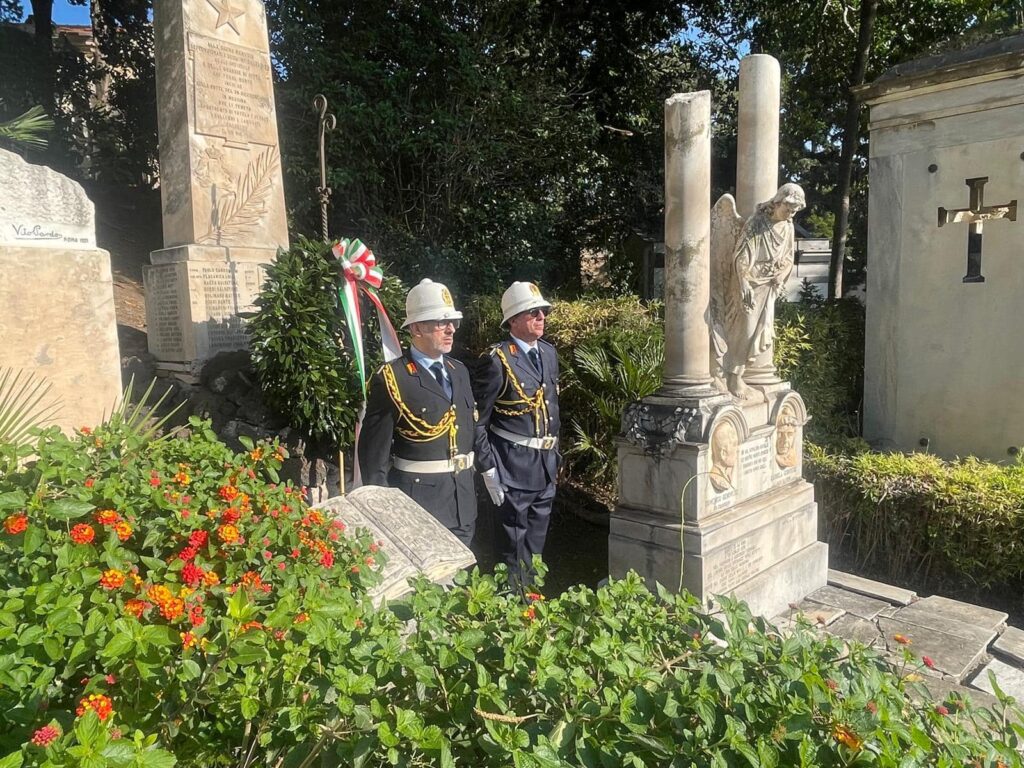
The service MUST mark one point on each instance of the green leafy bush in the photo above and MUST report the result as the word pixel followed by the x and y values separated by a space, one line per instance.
pixel 602 381
pixel 169 602
pixel 299 343
pixel 914 517
pixel 819 347
pixel 171 588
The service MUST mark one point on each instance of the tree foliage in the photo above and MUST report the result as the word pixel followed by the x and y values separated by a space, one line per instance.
pixel 480 141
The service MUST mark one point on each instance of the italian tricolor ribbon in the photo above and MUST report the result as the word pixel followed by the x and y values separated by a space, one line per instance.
pixel 360 272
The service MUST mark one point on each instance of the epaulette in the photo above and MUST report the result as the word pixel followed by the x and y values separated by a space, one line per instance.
pixel 491 350
pixel 546 343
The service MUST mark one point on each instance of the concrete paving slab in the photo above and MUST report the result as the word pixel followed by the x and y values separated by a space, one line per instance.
pixel 854 628
pixel 938 612
pixel 1009 678
pixel 875 589
pixel 851 602
pixel 956 651
pixel 815 613
pixel 940 690
pixel 1010 645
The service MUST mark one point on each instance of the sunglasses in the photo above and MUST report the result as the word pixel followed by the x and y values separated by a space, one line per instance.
pixel 539 312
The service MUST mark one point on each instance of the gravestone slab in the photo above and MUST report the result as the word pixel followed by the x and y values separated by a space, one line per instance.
pixel 877 589
pixel 1010 679
pixel 943 690
pixel 815 613
pixel 414 541
pixel 57 294
pixel 1011 645
pixel 40 208
pixel 957 650
pixel 856 629
pixel 939 612
pixel 851 602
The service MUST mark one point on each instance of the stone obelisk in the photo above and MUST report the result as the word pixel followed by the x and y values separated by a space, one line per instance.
pixel 220 172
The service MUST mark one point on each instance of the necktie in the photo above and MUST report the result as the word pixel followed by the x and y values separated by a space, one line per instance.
pixel 535 359
pixel 438 372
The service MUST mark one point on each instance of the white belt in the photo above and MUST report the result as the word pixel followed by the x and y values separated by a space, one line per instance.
pixel 457 464
pixel 540 443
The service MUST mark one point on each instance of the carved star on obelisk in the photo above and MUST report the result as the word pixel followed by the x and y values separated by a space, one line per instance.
pixel 226 13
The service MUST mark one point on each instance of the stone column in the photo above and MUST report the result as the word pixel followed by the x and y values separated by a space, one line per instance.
pixel 687 244
pixel 757 161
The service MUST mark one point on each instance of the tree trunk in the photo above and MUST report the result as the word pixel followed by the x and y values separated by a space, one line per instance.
pixel 851 137
pixel 42 17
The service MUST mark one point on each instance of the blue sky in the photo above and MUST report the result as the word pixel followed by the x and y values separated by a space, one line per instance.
pixel 64 12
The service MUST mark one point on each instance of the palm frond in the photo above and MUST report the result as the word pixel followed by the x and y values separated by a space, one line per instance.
pixel 25 404
pixel 136 420
pixel 28 130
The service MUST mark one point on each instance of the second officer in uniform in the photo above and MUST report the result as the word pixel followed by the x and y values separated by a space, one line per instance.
pixel 418 432
pixel 516 389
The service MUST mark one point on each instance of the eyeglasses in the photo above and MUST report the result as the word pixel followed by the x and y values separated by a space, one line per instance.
pixel 442 324
pixel 538 312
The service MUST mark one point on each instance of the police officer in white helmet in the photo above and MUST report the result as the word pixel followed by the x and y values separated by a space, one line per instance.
pixel 418 432
pixel 516 389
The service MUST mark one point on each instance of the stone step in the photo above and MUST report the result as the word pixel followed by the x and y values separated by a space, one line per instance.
pixel 1010 645
pixel 877 589
pixel 851 602
pixel 938 612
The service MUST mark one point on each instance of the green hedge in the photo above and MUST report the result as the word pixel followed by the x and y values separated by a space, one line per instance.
pixel 916 518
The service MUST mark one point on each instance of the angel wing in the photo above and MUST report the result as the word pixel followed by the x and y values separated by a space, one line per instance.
pixel 726 225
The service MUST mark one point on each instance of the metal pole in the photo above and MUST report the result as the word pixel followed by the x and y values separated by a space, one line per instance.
pixel 327 123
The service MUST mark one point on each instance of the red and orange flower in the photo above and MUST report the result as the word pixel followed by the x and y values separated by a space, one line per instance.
pixel 112 579
pixel 228 534
pixel 102 705
pixel 82 533
pixel 107 517
pixel 16 523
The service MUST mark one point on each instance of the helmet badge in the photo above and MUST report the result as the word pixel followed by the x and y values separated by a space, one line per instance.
pixel 446 297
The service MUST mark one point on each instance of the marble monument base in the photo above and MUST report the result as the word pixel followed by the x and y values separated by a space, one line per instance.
pixel 717 484
pixel 196 299
pixel 58 323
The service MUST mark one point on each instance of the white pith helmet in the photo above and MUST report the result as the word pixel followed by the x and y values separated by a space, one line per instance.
pixel 429 301
pixel 521 297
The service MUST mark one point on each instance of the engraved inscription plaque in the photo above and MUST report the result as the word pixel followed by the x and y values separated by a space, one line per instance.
pixel 233 92
pixel 164 313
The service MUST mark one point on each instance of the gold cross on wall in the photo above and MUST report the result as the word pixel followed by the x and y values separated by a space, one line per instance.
pixel 226 13
pixel 975 216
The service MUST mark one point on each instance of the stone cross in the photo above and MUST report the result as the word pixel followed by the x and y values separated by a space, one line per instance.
pixel 976 215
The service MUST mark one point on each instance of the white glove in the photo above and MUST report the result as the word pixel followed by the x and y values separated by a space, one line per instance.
pixel 494 488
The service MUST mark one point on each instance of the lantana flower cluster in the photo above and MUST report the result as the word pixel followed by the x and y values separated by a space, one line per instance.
pixel 168 546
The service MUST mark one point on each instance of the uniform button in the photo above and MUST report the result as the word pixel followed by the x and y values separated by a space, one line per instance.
pixel 416 480
pixel 423 410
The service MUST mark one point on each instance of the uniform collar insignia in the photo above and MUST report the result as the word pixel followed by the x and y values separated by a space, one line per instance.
pixel 411 368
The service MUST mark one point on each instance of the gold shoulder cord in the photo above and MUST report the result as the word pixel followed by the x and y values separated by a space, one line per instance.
pixel 420 430
pixel 523 404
